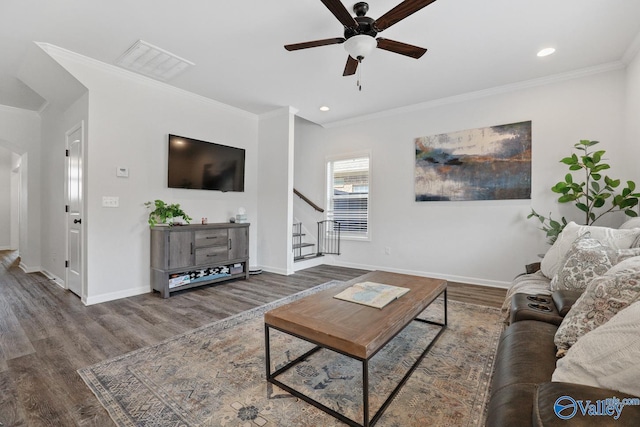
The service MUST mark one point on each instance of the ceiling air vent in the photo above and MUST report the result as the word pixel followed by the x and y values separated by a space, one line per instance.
pixel 147 59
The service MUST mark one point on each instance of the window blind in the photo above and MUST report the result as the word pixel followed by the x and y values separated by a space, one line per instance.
pixel 348 195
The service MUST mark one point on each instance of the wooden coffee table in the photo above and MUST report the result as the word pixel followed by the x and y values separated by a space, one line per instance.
pixel 354 330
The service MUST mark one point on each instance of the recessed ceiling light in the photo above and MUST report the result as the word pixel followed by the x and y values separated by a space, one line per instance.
pixel 546 51
pixel 324 108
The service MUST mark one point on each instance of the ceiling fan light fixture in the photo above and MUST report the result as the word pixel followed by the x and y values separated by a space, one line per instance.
pixel 360 46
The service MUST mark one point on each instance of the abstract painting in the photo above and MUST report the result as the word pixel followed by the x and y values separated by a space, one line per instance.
pixel 492 163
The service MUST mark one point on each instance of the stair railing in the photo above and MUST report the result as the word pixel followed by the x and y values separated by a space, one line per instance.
pixel 297 240
pixel 328 237
pixel 307 200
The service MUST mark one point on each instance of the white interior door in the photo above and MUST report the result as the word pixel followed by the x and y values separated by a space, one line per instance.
pixel 75 145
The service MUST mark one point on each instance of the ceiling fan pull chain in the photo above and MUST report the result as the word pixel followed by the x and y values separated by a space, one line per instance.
pixel 358 82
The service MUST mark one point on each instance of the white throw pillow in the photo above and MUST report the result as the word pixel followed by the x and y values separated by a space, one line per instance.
pixel 617 239
pixel 606 357
pixel 632 223
pixel 629 264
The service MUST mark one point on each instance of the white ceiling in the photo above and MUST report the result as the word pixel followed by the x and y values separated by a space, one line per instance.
pixel 237 47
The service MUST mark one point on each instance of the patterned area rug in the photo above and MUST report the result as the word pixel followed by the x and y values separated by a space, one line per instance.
pixel 215 375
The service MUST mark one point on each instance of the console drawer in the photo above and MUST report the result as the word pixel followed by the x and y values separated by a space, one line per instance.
pixel 211 238
pixel 211 254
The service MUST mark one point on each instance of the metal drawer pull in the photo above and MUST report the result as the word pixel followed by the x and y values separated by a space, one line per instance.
pixel 229 244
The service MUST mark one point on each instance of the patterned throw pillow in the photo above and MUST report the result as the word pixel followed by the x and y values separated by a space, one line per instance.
pixel 603 298
pixel 618 239
pixel 586 258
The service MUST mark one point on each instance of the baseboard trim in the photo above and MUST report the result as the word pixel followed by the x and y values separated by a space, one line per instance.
pixel 58 281
pixel 449 277
pixel 275 270
pixel 308 263
pixel 28 269
pixel 116 295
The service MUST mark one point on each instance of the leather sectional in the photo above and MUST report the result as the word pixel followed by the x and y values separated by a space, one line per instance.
pixel 522 393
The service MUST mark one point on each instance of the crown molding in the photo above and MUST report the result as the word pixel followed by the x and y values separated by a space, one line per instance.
pixel 470 96
pixel 279 112
pixel 59 52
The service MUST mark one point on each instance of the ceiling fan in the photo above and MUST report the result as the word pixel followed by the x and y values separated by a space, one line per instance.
pixel 360 32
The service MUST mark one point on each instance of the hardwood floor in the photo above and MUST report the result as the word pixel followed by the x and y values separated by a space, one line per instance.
pixel 46 333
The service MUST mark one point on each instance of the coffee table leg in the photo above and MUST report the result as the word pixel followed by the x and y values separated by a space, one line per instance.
pixel 365 392
pixel 267 351
pixel 445 306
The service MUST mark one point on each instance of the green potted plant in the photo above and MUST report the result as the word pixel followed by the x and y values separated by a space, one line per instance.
pixel 596 196
pixel 163 213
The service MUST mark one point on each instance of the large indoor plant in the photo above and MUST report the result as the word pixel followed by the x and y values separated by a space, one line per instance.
pixel 164 213
pixel 596 196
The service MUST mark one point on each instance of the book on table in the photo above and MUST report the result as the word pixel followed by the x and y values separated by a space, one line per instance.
pixel 372 294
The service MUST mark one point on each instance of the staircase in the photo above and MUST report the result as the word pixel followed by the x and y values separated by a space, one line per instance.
pixel 302 248
pixel 306 245
pixel 328 241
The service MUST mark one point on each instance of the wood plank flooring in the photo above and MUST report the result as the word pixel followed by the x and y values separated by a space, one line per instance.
pixel 46 333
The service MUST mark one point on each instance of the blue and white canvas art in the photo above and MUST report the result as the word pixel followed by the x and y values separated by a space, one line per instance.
pixel 492 163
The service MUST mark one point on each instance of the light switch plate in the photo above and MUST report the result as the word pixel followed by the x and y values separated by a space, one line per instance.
pixel 122 172
pixel 110 201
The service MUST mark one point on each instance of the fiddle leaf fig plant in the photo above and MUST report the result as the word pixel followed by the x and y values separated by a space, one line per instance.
pixel 596 196
pixel 163 212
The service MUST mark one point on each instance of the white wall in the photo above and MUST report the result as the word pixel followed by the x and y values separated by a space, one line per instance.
pixel 56 121
pixel 130 117
pixel 632 118
pixel 477 242
pixel 15 201
pixel 5 198
pixel 483 242
pixel 53 237
pixel 275 199
pixel 20 133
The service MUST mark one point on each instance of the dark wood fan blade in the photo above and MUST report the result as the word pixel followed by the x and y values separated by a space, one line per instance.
pixel 339 11
pixel 398 13
pixel 351 67
pixel 315 43
pixel 401 48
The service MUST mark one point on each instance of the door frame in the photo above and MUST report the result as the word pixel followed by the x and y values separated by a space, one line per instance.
pixel 79 126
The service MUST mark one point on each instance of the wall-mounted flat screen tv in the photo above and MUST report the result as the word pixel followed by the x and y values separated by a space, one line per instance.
pixel 204 165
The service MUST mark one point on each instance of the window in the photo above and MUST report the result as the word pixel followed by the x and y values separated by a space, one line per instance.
pixel 348 195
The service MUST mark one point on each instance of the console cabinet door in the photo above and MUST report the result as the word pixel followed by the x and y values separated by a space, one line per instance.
pixel 238 242
pixel 180 249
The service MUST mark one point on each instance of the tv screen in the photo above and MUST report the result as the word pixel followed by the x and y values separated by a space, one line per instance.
pixel 204 165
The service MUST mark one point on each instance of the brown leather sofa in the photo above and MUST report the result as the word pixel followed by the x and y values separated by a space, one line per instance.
pixel 522 393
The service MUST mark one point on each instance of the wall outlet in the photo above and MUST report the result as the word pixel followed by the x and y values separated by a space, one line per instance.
pixel 387 250
pixel 110 201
